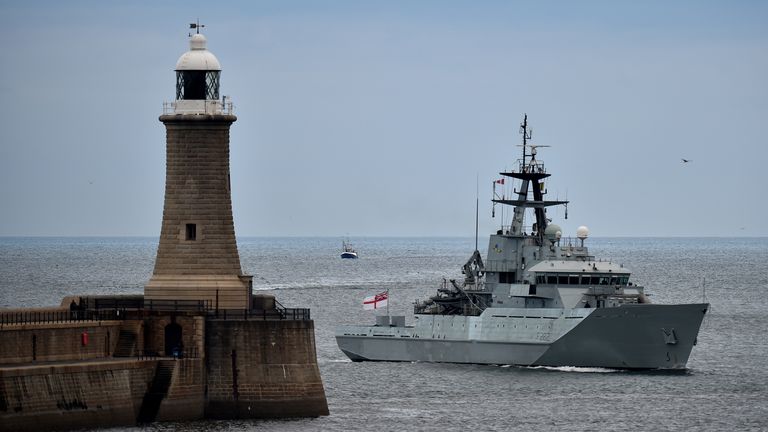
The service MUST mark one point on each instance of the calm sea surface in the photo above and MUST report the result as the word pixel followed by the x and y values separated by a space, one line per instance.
pixel 725 388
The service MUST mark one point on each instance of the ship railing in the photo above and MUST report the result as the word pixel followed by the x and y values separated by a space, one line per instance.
pixel 507 229
pixel 573 242
pixel 527 231
pixel 528 166
pixel 59 316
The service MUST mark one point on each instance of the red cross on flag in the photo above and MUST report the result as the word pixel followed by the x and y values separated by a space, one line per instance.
pixel 375 302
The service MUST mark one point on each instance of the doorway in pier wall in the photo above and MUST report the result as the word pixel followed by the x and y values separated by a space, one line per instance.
pixel 173 345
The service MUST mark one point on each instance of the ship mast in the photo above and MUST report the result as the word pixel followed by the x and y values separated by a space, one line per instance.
pixel 531 174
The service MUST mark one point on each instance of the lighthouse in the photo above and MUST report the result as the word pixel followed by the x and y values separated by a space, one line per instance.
pixel 197 257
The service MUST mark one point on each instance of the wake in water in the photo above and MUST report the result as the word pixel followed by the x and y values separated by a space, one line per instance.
pixel 574 369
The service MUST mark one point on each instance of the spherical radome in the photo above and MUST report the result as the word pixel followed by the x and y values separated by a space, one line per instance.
pixel 553 232
pixel 582 232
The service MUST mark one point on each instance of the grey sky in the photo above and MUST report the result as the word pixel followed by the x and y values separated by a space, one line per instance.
pixel 370 119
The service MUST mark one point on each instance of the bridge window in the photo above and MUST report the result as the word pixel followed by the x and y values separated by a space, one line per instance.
pixel 507 277
pixel 571 279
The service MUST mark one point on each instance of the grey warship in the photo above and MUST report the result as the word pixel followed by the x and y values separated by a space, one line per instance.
pixel 538 300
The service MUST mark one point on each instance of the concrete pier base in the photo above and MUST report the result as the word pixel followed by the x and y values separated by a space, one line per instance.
pixel 262 369
pixel 255 365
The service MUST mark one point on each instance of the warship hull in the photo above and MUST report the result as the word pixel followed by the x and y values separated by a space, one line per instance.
pixel 636 336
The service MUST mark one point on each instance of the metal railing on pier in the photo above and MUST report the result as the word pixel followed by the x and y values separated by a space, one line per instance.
pixel 150 305
pixel 59 316
pixel 190 353
pixel 290 314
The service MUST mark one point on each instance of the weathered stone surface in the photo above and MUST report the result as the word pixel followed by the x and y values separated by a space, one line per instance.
pixel 43 342
pixel 72 396
pixel 197 191
pixel 263 369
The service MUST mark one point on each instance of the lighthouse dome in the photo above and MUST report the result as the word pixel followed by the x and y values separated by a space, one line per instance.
pixel 198 57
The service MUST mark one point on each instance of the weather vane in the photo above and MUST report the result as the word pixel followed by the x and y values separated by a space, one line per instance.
pixel 196 26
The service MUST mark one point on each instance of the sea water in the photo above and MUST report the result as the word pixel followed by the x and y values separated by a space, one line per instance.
pixel 725 386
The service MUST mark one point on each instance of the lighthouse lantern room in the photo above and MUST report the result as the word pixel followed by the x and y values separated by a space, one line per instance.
pixel 197 81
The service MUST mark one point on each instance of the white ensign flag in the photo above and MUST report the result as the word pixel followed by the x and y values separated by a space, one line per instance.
pixel 376 302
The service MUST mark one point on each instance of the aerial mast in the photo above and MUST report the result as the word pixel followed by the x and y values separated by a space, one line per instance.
pixel 531 174
pixel 527 134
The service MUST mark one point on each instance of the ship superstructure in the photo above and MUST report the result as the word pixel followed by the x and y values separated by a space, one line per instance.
pixel 538 299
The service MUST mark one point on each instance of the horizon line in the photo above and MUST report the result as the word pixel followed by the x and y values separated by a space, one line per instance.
pixel 379 236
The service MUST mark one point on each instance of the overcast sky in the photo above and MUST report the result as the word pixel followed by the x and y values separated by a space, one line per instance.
pixel 376 118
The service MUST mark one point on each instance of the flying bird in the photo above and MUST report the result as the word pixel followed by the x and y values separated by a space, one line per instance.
pixel 686 160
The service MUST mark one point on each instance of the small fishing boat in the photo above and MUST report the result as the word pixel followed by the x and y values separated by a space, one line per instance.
pixel 347 251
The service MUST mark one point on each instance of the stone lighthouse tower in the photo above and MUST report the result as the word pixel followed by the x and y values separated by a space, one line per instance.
pixel 197 256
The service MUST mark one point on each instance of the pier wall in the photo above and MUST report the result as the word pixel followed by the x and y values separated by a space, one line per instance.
pixel 40 342
pixel 262 369
pixel 231 368
pixel 185 399
pixel 73 396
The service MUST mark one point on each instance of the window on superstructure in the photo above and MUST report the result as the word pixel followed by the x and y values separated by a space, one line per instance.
pixel 552 279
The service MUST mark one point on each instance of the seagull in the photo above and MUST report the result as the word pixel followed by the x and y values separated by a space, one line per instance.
pixel 686 160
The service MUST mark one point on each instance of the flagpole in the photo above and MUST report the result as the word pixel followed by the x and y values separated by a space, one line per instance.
pixel 477 204
pixel 387 303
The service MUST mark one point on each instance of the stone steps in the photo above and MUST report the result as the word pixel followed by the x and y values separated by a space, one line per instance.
pixel 126 344
pixel 150 406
